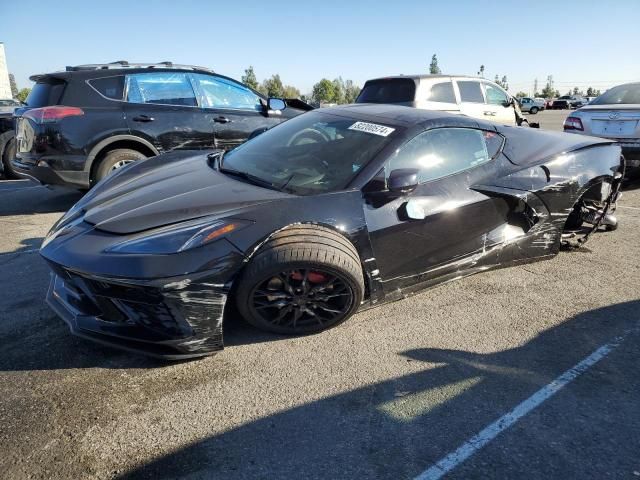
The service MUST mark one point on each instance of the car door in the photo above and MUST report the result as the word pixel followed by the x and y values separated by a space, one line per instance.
pixel 499 102
pixel 440 226
pixel 162 108
pixel 234 110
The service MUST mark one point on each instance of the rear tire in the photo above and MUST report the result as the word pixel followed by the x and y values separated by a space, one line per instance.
pixel 304 279
pixel 8 155
pixel 533 110
pixel 115 159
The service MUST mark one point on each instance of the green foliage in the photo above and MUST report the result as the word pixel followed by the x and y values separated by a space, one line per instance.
pixel 249 78
pixel 23 94
pixel 351 91
pixel 14 87
pixel 521 94
pixel 434 69
pixel 324 91
pixel 291 92
pixel 592 92
pixel 273 87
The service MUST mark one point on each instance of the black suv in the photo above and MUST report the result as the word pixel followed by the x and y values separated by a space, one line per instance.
pixel 82 123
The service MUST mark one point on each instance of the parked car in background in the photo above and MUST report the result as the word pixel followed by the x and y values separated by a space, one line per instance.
pixel 616 115
pixel 567 102
pixel 8 105
pixel 475 97
pixel 531 105
pixel 548 103
pixel 81 124
pixel 7 141
pixel 299 235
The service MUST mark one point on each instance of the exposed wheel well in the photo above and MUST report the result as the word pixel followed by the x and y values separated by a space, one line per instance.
pixel 130 144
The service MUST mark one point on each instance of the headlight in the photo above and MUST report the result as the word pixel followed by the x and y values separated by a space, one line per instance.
pixel 175 239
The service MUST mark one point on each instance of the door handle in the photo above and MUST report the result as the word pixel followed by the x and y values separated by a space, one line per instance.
pixel 143 118
pixel 222 120
pixel 489 114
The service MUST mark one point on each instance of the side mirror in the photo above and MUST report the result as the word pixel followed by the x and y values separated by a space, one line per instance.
pixel 508 103
pixel 276 104
pixel 403 180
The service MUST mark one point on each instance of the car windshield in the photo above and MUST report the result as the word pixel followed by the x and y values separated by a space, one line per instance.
pixel 314 153
pixel 623 94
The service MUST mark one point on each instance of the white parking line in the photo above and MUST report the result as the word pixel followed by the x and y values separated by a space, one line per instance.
pixel 630 208
pixel 475 443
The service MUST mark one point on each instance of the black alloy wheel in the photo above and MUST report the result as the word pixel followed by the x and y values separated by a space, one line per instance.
pixel 303 299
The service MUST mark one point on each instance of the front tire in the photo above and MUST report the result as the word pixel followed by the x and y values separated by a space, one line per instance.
pixel 304 279
pixel 116 159
pixel 533 110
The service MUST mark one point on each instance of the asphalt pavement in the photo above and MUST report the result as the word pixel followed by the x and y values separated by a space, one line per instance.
pixel 523 372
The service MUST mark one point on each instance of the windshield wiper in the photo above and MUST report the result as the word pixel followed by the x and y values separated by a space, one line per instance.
pixel 249 177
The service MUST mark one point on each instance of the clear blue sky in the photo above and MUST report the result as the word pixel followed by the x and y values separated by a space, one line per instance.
pixel 580 43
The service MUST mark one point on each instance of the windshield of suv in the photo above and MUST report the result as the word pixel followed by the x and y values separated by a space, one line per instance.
pixel 622 94
pixel 309 154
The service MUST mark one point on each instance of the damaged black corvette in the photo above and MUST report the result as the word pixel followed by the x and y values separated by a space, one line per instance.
pixel 333 211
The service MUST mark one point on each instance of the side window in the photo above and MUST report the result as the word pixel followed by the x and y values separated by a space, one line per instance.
pixel 442 92
pixel 470 92
pixel 445 151
pixel 161 88
pixel 110 87
pixel 216 92
pixel 495 95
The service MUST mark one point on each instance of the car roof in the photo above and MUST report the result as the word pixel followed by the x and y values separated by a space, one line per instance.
pixel 118 68
pixel 403 116
pixel 426 76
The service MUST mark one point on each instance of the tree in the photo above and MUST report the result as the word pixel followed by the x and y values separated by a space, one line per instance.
pixel 481 71
pixel 504 82
pixel 291 92
pixel 338 91
pixel 23 94
pixel 351 91
pixel 577 91
pixel 14 87
pixel 548 91
pixel 434 69
pixel 324 91
pixel 521 94
pixel 249 78
pixel 272 87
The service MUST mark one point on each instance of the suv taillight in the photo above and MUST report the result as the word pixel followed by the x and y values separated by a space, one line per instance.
pixel 573 123
pixel 52 114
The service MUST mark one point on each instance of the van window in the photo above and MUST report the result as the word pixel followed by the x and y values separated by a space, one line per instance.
pixel 442 92
pixel 470 92
pixel 392 90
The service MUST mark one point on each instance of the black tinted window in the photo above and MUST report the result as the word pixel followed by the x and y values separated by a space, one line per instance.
pixel 442 92
pixel 470 92
pixel 394 90
pixel 46 93
pixel 623 94
pixel 445 151
pixel 110 87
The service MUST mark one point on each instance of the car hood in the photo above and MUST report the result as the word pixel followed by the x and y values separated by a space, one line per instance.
pixel 613 106
pixel 167 189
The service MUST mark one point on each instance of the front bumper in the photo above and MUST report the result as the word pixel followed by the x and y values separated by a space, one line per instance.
pixel 177 321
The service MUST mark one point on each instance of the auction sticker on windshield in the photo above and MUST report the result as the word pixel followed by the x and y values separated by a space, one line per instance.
pixel 374 128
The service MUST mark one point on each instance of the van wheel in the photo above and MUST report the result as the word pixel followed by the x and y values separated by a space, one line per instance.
pixel 9 154
pixel 533 110
pixel 116 159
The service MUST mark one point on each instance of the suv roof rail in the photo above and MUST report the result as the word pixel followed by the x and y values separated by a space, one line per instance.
pixel 122 64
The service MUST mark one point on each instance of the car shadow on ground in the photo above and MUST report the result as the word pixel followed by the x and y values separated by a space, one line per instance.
pixel 399 427
pixel 33 199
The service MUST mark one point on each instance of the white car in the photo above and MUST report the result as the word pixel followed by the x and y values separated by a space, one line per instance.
pixel 471 96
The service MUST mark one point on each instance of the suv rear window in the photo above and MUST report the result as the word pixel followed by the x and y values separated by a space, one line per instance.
pixel 46 93
pixel 110 87
pixel 393 90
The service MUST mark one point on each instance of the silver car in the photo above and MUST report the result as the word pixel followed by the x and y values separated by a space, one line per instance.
pixel 616 115
pixel 531 105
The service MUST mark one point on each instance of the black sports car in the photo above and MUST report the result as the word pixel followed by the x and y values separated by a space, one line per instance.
pixel 332 211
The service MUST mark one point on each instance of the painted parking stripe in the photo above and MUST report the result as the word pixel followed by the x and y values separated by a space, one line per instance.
pixel 477 442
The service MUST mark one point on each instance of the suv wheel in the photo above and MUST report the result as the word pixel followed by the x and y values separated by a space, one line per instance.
pixel 116 159
pixel 9 154
pixel 533 110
